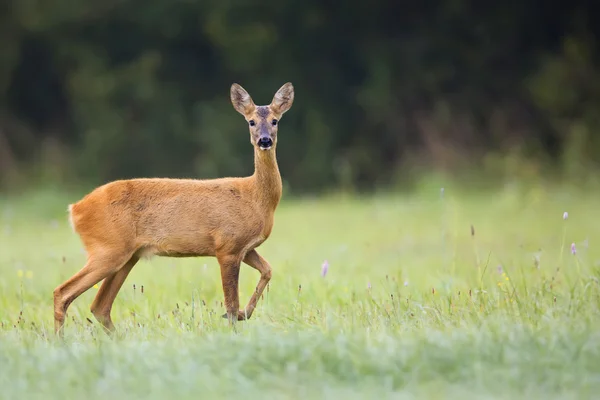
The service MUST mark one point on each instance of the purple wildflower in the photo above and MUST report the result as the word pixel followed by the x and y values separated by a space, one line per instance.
pixel 573 249
pixel 324 268
pixel 499 269
pixel 565 215
pixel 369 285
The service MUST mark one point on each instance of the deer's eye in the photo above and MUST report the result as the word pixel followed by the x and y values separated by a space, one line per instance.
pixel 251 122
pixel 274 122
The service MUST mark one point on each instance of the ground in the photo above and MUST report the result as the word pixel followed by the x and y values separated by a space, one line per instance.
pixel 434 294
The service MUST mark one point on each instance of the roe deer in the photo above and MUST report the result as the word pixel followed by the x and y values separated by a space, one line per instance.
pixel 226 218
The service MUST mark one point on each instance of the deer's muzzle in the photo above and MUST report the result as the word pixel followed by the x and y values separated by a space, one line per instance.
pixel 265 142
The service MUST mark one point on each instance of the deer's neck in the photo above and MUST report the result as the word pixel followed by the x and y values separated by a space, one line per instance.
pixel 267 178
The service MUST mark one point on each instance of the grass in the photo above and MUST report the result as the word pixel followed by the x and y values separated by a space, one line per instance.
pixel 428 295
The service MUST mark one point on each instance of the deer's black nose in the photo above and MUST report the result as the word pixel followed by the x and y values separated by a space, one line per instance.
pixel 265 142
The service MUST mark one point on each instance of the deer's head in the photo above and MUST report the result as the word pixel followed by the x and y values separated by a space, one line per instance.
pixel 262 120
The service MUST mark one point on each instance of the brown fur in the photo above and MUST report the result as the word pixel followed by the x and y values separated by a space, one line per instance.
pixel 226 218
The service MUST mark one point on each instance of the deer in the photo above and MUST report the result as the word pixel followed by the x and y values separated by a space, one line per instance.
pixel 227 218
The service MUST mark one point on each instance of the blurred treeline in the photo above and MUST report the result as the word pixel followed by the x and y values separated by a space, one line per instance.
pixel 98 90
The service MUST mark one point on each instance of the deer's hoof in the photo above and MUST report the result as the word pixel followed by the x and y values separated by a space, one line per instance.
pixel 240 317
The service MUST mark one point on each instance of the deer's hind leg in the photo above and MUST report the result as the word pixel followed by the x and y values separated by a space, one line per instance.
pixel 102 305
pixel 100 264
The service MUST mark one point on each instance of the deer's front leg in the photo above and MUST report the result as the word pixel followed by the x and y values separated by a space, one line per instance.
pixel 254 260
pixel 230 273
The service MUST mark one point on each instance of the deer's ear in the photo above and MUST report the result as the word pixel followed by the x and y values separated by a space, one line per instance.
pixel 283 99
pixel 241 100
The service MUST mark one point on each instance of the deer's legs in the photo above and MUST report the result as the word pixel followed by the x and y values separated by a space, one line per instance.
pixel 102 304
pixel 230 273
pixel 98 267
pixel 254 260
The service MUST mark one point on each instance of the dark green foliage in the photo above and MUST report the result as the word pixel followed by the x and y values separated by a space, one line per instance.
pixel 103 90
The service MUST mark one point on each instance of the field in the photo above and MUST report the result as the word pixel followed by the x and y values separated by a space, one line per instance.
pixel 436 294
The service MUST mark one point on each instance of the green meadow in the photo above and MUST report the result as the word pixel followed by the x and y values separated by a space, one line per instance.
pixel 429 294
